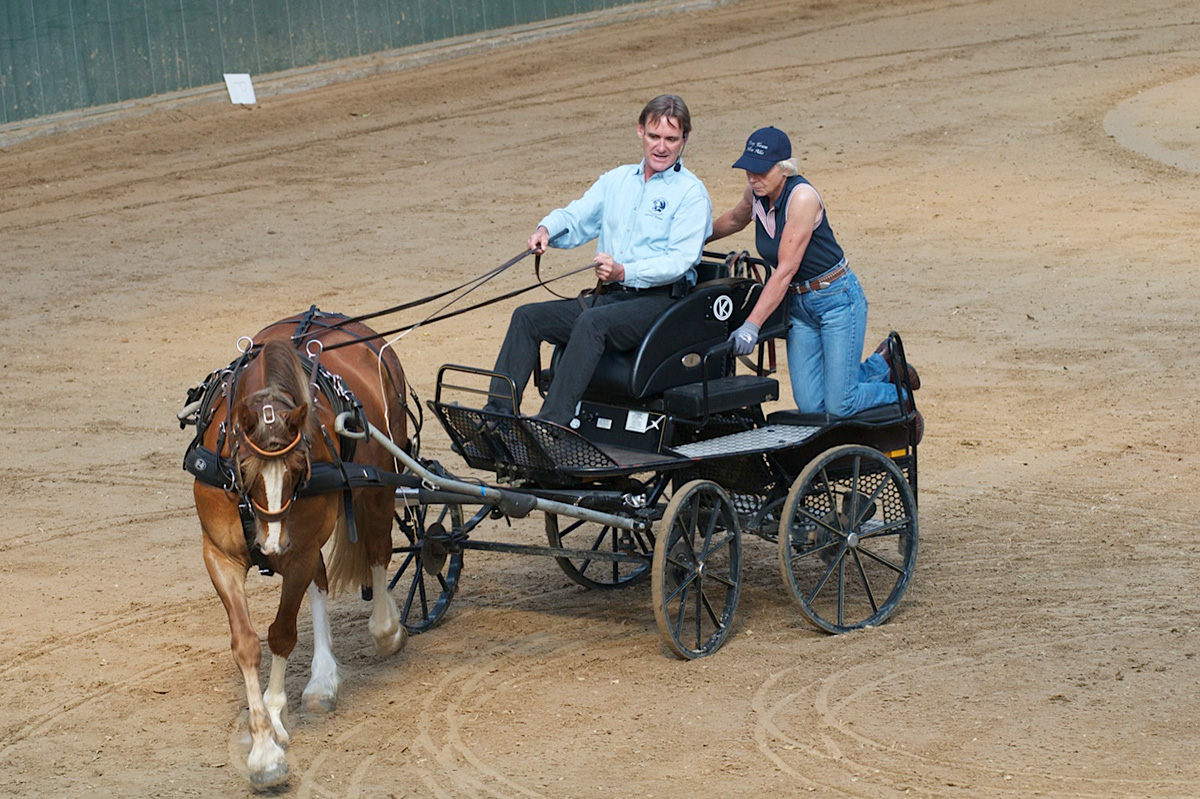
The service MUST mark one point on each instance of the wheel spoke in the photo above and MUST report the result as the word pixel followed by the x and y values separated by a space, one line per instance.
pixel 412 554
pixel 887 528
pixel 862 575
pixel 712 615
pixel 881 560
pixel 720 578
pixel 820 522
pixel 841 590
pixel 683 603
pixel 412 593
pixel 837 559
pixel 689 578
pixel 710 548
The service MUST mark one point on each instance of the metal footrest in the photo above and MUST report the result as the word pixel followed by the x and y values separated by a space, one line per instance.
pixel 748 442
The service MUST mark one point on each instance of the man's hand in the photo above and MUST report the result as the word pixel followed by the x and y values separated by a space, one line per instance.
pixel 539 240
pixel 744 338
pixel 608 270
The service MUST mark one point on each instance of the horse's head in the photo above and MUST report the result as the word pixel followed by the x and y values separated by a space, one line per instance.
pixel 271 435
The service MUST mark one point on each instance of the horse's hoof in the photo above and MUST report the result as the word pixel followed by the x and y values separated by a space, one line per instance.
pixel 391 644
pixel 271 778
pixel 318 703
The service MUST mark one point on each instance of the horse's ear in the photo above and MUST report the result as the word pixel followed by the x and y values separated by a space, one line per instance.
pixel 244 419
pixel 297 418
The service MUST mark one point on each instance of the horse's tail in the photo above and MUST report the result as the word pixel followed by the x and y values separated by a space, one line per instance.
pixel 348 566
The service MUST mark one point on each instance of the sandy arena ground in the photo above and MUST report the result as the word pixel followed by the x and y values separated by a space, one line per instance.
pixel 1042 273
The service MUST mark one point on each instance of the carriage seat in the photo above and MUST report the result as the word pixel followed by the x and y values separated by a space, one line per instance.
pixel 874 417
pixel 674 347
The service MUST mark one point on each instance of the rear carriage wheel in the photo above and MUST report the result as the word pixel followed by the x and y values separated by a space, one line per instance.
pixel 697 569
pixel 596 537
pixel 430 564
pixel 848 538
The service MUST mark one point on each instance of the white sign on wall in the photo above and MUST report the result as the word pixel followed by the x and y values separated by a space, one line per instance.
pixel 241 90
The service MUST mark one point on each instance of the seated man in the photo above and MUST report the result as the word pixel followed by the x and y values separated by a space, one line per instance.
pixel 650 221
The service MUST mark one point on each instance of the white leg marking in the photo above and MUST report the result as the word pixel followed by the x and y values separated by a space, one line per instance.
pixel 266 763
pixel 390 636
pixel 276 699
pixel 273 484
pixel 320 695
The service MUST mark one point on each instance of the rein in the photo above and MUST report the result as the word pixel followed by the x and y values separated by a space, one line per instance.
pixel 460 311
pixel 481 279
pixel 470 286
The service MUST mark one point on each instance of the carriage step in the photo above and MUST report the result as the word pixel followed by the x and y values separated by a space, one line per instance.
pixel 747 442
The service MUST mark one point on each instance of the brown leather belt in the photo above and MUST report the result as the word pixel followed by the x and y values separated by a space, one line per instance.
pixel 820 281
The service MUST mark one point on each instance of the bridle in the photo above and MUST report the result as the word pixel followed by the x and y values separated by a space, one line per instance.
pixel 300 441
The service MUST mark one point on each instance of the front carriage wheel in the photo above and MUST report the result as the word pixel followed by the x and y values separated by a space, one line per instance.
pixel 848 538
pixel 430 566
pixel 596 537
pixel 697 569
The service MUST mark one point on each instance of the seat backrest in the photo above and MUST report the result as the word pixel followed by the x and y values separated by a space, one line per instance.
pixel 673 349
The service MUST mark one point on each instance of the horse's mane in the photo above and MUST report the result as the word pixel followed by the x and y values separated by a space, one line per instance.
pixel 282 370
pixel 285 386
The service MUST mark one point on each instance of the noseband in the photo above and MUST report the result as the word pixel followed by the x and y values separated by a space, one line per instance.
pixel 263 514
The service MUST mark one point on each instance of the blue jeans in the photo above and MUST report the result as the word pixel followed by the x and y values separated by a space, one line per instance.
pixel 824 348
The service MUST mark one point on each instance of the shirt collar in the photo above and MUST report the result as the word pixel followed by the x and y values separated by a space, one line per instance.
pixel 767 217
pixel 669 176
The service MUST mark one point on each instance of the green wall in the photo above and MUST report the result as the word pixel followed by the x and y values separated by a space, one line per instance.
pixel 60 55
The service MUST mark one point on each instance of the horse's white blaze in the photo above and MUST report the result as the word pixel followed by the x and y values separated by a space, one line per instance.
pixel 272 475
pixel 276 700
pixel 321 692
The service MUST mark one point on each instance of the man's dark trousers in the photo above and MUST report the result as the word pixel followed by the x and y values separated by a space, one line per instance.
pixel 618 319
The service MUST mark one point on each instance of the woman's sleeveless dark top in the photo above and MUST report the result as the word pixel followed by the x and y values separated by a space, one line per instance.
pixel 823 252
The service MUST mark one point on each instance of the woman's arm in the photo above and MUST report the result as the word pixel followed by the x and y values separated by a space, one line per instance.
pixel 733 220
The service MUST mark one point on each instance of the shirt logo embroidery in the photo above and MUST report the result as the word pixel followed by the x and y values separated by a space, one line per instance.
pixel 659 205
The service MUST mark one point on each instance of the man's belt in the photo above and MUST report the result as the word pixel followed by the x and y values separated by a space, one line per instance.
pixel 676 289
pixel 821 281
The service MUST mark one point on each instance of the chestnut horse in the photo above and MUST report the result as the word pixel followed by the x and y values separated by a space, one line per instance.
pixel 270 428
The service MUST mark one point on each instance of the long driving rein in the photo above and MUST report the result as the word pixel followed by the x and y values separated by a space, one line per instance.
pixel 470 286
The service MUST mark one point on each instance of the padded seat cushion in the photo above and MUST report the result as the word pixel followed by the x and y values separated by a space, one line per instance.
pixel 881 414
pixel 724 394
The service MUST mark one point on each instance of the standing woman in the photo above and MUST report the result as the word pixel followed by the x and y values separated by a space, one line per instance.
pixel 827 309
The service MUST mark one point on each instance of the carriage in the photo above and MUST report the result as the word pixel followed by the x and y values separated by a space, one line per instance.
pixel 669 463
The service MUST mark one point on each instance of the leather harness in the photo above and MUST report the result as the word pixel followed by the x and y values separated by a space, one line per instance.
pixel 341 473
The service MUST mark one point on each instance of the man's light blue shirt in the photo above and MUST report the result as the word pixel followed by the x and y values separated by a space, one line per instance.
pixel 655 228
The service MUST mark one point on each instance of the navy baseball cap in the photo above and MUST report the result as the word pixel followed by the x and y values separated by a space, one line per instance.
pixel 765 148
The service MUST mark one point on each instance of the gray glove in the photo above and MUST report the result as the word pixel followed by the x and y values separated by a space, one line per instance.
pixel 744 338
